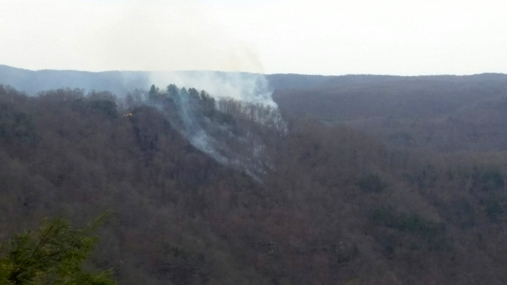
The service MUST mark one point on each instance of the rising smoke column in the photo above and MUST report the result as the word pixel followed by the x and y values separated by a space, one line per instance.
pixel 242 149
pixel 246 87
pixel 191 120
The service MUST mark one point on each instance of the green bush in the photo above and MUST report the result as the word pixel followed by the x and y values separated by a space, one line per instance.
pixel 52 255
pixel 412 223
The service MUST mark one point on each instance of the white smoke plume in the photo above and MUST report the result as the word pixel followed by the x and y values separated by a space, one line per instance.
pixel 169 35
pixel 161 37
pixel 215 133
pixel 245 87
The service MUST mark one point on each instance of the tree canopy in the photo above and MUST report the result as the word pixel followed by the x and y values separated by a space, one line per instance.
pixel 53 254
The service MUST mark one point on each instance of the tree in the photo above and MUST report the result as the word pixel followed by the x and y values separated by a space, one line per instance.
pixel 53 254
pixel 154 91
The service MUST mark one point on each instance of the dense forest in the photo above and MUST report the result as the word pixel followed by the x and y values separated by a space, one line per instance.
pixel 209 191
pixel 436 113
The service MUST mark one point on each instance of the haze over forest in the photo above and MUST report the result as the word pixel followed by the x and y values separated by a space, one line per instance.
pixel 269 179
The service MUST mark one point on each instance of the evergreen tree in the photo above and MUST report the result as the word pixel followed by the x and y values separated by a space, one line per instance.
pixel 53 254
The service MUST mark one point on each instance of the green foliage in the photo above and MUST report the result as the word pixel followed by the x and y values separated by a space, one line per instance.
pixel 371 183
pixel 53 254
pixel 412 233
pixel 412 223
pixel 153 93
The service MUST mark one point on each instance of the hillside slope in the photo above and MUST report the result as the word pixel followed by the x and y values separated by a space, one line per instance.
pixel 335 207
pixel 426 112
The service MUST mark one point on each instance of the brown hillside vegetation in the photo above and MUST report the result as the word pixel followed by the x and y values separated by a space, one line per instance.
pixel 336 205
pixel 442 113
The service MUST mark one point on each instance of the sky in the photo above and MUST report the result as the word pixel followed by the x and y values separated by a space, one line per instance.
pixel 397 37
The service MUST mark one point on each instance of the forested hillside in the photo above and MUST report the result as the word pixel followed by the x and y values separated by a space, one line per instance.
pixel 437 113
pixel 261 202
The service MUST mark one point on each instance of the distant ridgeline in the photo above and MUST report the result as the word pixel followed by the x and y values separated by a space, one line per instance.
pixel 120 82
pixel 116 82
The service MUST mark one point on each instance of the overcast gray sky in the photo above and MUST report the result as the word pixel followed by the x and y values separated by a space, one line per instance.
pixel 404 37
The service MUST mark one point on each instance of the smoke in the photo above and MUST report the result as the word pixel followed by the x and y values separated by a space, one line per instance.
pixel 160 37
pixel 127 35
pixel 192 128
pixel 246 87
pixel 168 35
pixel 227 140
